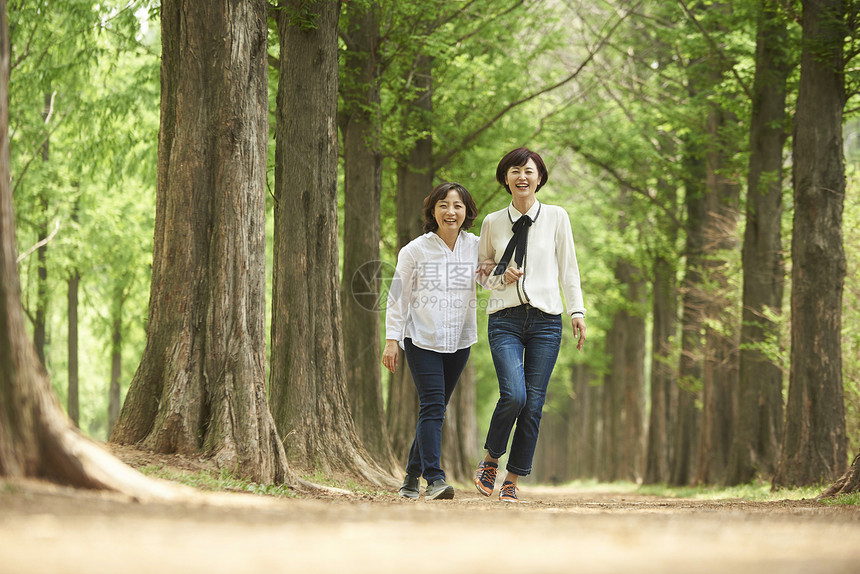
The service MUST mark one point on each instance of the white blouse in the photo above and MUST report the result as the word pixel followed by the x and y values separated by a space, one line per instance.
pixel 432 298
pixel 550 260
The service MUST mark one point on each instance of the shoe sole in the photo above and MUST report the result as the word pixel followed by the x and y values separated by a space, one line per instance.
pixel 444 494
pixel 409 496
pixel 509 500
pixel 481 487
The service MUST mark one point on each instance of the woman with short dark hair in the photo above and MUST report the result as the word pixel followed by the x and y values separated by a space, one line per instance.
pixel 431 314
pixel 531 244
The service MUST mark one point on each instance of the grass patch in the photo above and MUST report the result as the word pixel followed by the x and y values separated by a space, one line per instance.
pixel 757 492
pixel 217 482
pixel 852 499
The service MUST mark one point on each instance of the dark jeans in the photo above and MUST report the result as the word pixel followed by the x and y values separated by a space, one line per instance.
pixel 435 375
pixel 524 342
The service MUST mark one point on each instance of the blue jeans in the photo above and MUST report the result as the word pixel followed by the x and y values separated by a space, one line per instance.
pixel 524 342
pixel 435 376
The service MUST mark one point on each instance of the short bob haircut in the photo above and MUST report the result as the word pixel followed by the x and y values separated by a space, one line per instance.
pixel 439 193
pixel 518 158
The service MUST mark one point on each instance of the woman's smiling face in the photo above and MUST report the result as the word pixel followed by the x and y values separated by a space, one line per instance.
pixel 523 180
pixel 450 212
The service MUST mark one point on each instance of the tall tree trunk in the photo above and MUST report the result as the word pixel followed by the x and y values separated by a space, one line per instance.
pixel 460 441
pixel 760 408
pixel 692 318
pixel 360 286
pixel 40 326
pixel 581 430
pixel 307 385
pixel 72 400
pixel 624 386
pixel 115 390
pixel 36 438
pixel 200 386
pixel 632 444
pixel 720 375
pixel 663 391
pixel 414 183
pixel 814 447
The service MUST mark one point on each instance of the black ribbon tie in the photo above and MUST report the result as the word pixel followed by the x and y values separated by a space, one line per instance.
pixel 518 242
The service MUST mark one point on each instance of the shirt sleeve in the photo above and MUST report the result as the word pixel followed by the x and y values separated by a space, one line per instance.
pixel 486 250
pixel 399 296
pixel 568 269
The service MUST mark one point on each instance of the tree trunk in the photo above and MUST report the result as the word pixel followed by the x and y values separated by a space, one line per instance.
pixel 40 326
pixel 360 286
pixel 307 385
pixel 582 422
pixel 36 438
pixel 115 390
pixel 814 447
pixel 414 183
pixel 624 384
pixel 72 400
pixel 664 381
pixel 552 453
pixel 200 386
pixel 460 441
pixel 720 375
pixel 692 318
pixel 848 483
pixel 760 408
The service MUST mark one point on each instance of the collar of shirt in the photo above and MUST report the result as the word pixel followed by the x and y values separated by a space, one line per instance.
pixel 514 213
pixel 433 236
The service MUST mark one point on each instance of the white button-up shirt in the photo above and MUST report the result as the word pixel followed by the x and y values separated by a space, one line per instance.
pixel 550 260
pixel 432 299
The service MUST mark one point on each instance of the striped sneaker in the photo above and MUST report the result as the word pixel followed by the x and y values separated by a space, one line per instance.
pixel 485 477
pixel 508 493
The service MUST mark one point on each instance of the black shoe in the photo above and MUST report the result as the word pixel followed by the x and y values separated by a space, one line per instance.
pixel 439 490
pixel 410 486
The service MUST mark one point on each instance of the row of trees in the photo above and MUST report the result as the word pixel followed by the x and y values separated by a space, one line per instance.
pixel 677 108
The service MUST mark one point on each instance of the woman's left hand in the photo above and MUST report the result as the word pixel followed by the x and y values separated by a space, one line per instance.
pixel 578 324
pixel 485 268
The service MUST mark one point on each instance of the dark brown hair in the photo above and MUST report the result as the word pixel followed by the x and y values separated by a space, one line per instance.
pixel 439 193
pixel 520 157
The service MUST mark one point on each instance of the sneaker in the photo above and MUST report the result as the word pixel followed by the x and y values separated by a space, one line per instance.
pixel 508 493
pixel 439 490
pixel 485 477
pixel 410 487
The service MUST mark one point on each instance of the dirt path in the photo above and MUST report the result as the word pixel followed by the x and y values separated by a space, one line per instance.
pixel 51 530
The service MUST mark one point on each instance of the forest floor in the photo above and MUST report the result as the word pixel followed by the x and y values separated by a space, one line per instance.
pixel 54 530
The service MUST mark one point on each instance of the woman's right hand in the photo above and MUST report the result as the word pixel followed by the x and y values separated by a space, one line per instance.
pixel 512 275
pixel 389 355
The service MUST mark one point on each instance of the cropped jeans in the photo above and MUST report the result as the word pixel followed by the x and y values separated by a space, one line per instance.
pixel 435 376
pixel 524 342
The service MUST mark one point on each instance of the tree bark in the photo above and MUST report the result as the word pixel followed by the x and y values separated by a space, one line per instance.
pixel 308 385
pixel 414 183
pixel 760 405
pixel 360 286
pixel 200 386
pixel 848 483
pixel 814 448
pixel 115 390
